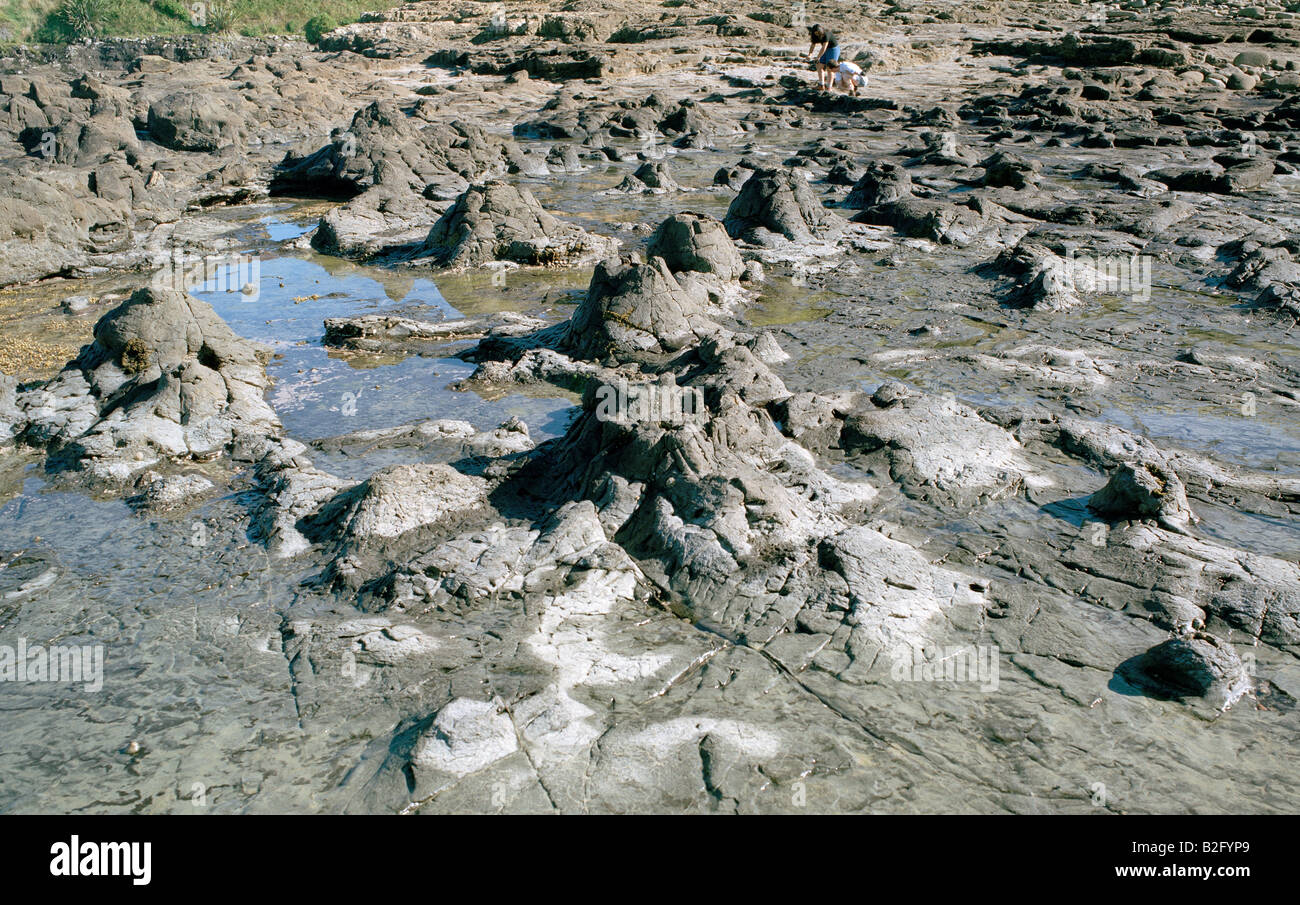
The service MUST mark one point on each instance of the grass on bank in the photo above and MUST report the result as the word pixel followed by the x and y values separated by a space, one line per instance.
pixel 62 21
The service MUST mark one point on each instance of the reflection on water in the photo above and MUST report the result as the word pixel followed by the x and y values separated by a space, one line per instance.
pixel 781 301
pixel 149 585
pixel 320 392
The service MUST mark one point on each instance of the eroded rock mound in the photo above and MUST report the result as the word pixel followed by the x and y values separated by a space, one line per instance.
pixel 1144 491
pixel 777 204
pixel 398 175
pixel 633 306
pixel 498 222
pixel 195 121
pixel 881 183
pixel 714 499
pixel 1005 168
pixel 651 177
pixel 401 498
pixel 383 145
pixel 696 242
pixel 936 219
pixel 1197 666
pixel 936 446
pixel 164 378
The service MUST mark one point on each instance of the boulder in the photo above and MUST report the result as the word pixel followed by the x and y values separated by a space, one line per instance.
pixel 650 178
pixel 164 378
pixel 401 498
pixel 497 222
pixel 696 242
pixel 637 307
pixel 1198 666
pixel 775 204
pixel 80 143
pixel 935 219
pixel 382 145
pixel 1146 490
pixel 1004 168
pixel 466 736
pixel 882 183
pixel 195 121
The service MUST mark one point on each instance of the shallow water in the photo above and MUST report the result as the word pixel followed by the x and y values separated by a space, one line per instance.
pixel 168 594
pixel 321 392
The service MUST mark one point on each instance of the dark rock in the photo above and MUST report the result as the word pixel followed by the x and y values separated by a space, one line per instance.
pixel 1199 666
pixel 1144 491
pixel 498 222
pixel 1006 168
pixel 777 203
pixel 164 378
pixel 636 307
pixel 195 121
pixel 689 241
pixel 882 183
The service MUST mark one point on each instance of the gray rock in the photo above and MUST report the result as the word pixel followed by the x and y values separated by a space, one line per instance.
pixel 880 184
pixel 940 149
pixel 84 143
pixel 1265 267
pixel 1252 58
pixel 76 304
pixel 1242 175
pixel 1283 300
pixel 565 158
pixel 402 498
pixel 697 242
pixel 162 492
pixel 1199 666
pixel 195 121
pixel 651 177
pixel 1006 168
pixel 934 219
pixel 498 222
pixel 465 737
pixel 164 378
pixel 637 307
pixel 1144 491
pixel 384 146
pixel 776 204
pixel 937 447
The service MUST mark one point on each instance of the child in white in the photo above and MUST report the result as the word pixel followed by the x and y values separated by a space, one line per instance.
pixel 850 77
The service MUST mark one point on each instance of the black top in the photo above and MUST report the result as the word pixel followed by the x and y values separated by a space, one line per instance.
pixel 821 35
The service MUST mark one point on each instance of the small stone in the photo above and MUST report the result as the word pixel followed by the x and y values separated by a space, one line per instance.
pixel 76 304
pixel 1198 666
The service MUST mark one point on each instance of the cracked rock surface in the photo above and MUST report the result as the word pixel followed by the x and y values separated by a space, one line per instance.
pixel 942 456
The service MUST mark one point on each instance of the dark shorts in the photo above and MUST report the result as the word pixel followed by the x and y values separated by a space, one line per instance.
pixel 830 56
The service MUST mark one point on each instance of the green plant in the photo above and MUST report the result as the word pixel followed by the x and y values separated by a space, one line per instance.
pixel 173 9
pixel 81 18
pixel 317 27
pixel 62 21
pixel 221 15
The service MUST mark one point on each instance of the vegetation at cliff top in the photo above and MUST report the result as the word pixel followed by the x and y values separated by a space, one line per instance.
pixel 60 21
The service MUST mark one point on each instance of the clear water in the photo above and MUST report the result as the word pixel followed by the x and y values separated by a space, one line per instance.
pixel 191 611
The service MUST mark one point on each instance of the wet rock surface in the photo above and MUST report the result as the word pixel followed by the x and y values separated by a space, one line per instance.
pixel 942 456
pixel 165 378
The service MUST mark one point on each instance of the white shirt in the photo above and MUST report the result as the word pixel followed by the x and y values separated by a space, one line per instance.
pixel 850 71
